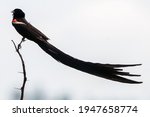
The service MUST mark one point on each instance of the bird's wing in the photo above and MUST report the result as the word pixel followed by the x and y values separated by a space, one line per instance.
pixel 28 31
pixel 108 71
pixel 36 32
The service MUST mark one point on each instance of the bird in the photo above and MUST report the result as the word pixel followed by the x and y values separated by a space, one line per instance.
pixel 112 72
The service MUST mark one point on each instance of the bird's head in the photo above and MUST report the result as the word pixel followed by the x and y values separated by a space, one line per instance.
pixel 18 13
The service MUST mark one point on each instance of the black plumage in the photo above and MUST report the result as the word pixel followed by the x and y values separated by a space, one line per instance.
pixel 108 71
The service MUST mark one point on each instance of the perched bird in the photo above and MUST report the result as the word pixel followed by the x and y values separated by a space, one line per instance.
pixel 107 71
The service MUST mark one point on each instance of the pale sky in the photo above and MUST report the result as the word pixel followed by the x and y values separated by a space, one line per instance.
pixel 104 31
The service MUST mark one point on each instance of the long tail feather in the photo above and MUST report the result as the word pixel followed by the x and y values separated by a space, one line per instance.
pixel 108 71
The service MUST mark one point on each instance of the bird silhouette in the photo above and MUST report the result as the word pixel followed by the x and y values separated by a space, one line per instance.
pixel 108 71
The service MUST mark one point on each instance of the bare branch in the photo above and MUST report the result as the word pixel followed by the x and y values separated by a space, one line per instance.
pixel 18 47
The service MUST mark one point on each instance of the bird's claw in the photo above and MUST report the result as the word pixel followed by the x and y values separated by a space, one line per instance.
pixel 23 39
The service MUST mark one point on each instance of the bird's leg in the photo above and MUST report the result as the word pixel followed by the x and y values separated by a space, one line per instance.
pixel 23 39
pixel 19 45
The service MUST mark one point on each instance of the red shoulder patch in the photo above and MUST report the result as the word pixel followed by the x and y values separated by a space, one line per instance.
pixel 14 20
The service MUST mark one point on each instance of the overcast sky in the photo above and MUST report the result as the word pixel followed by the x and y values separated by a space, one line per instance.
pixel 105 31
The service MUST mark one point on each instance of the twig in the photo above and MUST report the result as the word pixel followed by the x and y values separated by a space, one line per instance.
pixel 18 47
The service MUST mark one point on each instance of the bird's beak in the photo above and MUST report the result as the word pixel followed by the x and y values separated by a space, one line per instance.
pixel 12 11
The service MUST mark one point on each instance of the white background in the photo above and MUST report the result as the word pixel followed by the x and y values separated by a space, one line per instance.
pixel 105 31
